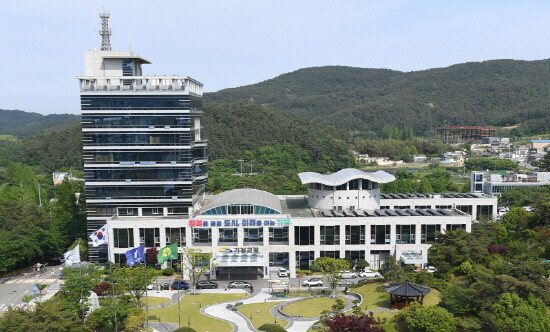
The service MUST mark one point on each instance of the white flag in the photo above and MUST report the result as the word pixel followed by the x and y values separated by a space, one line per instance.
pixel 72 256
pixel 99 237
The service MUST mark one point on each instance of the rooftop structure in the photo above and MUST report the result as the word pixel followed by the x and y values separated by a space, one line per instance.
pixel 464 132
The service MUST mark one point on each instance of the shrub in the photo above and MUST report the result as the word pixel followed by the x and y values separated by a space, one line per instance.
pixel 135 321
pixel 304 272
pixel 102 288
pixel 271 328
pixel 185 329
pixel 168 271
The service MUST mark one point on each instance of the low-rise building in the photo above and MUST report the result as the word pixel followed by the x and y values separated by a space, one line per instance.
pixel 496 184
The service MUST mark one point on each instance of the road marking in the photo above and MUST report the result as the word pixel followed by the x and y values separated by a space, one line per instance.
pixel 2 307
pixel 26 291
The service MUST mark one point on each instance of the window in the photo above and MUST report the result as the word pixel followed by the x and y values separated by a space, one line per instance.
pixel 354 184
pixel 255 235
pixel 355 234
pixel 304 235
pixel 278 235
pixel 355 255
pixel 152 211
pixel 330 235
pixel 127 211
pixel 228 235
pixel 177 211
pixel 150 237
pixel 123 237
pixel 175 235
pixel 465 208
pixel 428 233
pixel 444 207
pixel 405 234
pixel 202 235
pixel 278 259
pixel 484 211
pixel 380 234
pixel 304 259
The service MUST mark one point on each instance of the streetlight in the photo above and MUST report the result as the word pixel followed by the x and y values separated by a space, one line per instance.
pixel 242 161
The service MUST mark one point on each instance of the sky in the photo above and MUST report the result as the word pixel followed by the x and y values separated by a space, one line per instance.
pixel 233 43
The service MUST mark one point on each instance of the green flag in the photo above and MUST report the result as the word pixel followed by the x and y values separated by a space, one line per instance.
pixel 168 252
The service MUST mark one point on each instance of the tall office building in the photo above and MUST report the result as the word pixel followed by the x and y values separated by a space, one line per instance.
pixel 144 156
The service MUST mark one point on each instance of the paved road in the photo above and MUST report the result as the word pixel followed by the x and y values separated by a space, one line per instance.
pixel 13 290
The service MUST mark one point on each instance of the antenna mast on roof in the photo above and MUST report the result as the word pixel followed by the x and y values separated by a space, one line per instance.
pixel 105 32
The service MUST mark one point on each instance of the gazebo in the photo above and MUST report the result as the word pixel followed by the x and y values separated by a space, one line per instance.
pixel 401 295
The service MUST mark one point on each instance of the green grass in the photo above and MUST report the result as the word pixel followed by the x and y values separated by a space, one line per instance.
pixel 374 296
pixel 153 300
pixel 310 308
pixel 259 314
pixel 433 297
pixel 190 312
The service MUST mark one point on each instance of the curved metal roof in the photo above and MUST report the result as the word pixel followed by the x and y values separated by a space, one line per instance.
pixel 344 176
pixel 244 196
pixel 407 289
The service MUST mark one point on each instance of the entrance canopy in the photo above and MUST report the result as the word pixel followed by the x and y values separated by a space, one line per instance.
pixel 413 257
pixel 239 259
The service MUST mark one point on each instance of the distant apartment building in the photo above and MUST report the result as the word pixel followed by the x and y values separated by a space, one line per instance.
pixel 496 184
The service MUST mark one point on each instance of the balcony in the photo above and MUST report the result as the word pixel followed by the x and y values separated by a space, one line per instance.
pixel 141 84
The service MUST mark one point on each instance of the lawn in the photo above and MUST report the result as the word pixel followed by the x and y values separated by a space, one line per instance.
pixel 153 300
pixel 374 296
pixel 310 308
pixel 259 314
pixel 190 312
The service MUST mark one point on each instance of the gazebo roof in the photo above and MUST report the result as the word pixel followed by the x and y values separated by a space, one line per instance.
pixel 407 289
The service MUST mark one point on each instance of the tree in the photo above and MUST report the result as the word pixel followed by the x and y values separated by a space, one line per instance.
pixel 78 284
pixel 429 318
pixel 544 163
pixel 394 271
pixel 196 263
pixel 135 280
pixel 47 316
pixel 517 218
pixel 458 299
pixel 514 314
pixel 345 323
pixel 331 268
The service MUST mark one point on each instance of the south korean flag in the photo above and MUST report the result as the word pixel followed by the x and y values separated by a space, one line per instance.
pixel 99 237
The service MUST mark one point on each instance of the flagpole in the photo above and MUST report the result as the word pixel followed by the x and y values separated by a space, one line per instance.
pixel 111 272
pixel 181 270
pixel 146 288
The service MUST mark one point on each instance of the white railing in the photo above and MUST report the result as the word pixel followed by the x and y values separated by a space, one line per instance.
pixel 140 83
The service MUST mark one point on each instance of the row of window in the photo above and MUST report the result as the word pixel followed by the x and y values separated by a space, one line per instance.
pixel 481 210
pixel 240 209
pixel 112 192
pixel 118 121
pixel 143 173
pixel 356 184
pixel 124 102
pixel 304 235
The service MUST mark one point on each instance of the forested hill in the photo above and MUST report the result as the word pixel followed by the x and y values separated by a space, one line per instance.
pixel 231 129
pixel 497 92
pixel 24 124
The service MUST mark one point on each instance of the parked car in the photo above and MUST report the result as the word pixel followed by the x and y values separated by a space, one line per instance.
pixel 431 269
pixel 283 272
pixel 370 274
pixel 348 275
pixel 180 285
pixel 313 282
pixel 239 284
pixel 165 286
pixel 150 287
pixel 206 284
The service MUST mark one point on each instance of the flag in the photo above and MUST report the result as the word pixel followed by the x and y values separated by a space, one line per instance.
pixel 136 255
pixel 168 252
pixel 72 257
pixel 99 237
